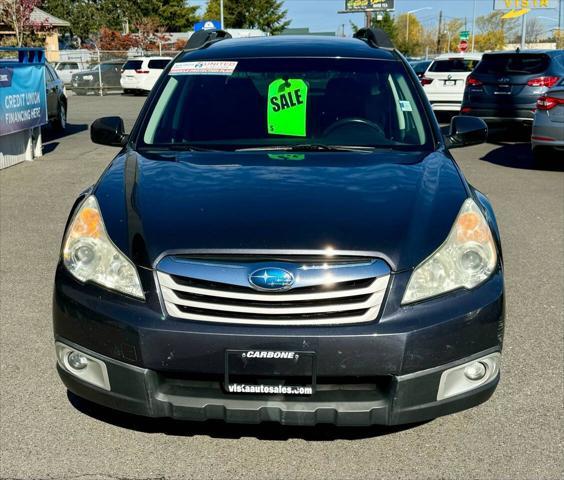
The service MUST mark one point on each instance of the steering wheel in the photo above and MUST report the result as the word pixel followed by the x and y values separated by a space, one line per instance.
pixel 352 121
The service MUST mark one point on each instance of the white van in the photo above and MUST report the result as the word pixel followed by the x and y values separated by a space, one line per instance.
pixel 140 74
pixel 66 69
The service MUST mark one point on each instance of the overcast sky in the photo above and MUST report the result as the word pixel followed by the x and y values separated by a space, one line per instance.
pixel 321 15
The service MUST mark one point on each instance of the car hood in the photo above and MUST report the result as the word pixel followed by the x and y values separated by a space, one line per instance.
pixel 398 206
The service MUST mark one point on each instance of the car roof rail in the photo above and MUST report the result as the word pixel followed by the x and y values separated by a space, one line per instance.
pixel 204 38
pixel 375 37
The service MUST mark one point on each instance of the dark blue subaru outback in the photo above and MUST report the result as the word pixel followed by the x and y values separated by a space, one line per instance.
pixel 284 236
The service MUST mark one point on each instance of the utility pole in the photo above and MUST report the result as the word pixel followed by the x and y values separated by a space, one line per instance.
pixel 559 39
pixel 523 31
pixel 368 18
pixel 440 32
pixel 221 14
pixel 473 24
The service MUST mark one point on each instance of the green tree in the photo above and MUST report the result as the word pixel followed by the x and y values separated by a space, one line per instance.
pixel 451 30
pixel 176 15
pixel 493 40
pixel 493 31
pixel 87 17
pixel 266 15
pixel 559 38
pixel 388 24
pixel 409 34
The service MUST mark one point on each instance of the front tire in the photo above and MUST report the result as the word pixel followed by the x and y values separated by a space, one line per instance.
pixel 60 123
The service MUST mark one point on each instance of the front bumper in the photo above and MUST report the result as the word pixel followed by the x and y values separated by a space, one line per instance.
pixel 160 366
pixel 400 399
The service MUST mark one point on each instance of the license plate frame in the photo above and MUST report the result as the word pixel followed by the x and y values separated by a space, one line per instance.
pixel 503 89
pixel 280 369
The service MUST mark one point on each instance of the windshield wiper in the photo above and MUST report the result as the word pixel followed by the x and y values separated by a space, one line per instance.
pixel 179 147
pixel 310 147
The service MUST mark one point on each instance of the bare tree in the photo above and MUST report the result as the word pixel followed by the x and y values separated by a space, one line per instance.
pixel 16 14
pixel 535 29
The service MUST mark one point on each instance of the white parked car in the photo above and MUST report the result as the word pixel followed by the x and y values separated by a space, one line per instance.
pixel 140 74
pixel 65 69
pixel 445 79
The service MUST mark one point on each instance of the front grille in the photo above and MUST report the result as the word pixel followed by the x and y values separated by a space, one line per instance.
pixel 194 282
pixel 326 291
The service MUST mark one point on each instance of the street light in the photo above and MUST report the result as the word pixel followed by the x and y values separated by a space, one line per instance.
pixel 407 22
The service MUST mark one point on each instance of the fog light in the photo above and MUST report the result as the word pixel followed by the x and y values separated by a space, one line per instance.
pixel 83 365
pixel 469 376
pixel 475 371
pixel 77 360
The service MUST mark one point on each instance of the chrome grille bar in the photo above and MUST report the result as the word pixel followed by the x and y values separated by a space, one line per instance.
pixel 338 301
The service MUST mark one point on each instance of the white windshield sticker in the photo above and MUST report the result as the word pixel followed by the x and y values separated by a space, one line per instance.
pixel 203 68
pixel 405 106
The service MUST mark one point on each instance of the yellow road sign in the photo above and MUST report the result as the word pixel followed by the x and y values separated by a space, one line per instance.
pixel 516 13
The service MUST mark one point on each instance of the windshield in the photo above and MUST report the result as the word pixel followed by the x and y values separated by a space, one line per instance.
pixel 420 67
pixel 133 65
pixel 453 65
pixel 513 63
pixel 267 102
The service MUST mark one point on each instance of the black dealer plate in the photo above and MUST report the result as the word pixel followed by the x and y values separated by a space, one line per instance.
pixel 270 372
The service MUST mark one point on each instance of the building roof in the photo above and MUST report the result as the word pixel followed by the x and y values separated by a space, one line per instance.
pixel 41 16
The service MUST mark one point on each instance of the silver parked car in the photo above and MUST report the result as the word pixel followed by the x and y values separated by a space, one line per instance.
pixel 548 125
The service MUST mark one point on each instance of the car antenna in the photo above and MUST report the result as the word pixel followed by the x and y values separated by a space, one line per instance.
pixel 204 38
pixel 375 37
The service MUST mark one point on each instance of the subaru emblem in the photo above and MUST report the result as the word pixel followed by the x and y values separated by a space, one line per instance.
pixel 271 279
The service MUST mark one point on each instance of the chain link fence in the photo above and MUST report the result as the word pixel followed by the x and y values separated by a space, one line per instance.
pixel 101 72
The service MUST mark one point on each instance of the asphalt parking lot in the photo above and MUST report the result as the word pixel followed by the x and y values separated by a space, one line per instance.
pixel 46 434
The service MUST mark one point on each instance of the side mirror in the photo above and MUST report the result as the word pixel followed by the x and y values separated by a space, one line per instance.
pixel 108 131
pixel 465 131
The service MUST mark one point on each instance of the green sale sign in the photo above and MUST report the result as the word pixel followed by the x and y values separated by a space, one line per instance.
pixel 287 104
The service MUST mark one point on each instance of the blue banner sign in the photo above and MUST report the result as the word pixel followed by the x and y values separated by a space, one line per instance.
pixel 23 97
pixel 207 25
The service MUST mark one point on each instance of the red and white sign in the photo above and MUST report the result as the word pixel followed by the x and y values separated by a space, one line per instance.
pixel 463 46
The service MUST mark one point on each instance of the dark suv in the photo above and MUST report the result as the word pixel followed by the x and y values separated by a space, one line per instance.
pixel 505 86
pixel 283 236
pixel 88 81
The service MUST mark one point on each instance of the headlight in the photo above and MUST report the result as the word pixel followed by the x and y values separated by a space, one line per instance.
pixel 90 255
pixel 465 259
